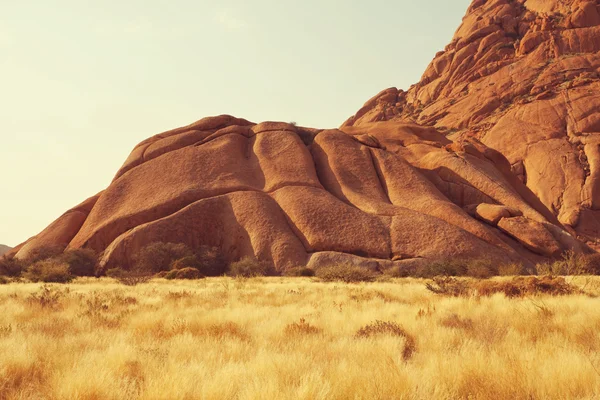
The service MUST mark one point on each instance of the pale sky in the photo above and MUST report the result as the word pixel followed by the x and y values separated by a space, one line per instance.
pixel 83 82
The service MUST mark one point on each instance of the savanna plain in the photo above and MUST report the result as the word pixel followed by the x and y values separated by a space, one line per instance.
pixel 296 338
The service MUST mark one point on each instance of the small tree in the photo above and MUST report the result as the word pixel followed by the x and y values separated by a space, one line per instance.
pixel 82 262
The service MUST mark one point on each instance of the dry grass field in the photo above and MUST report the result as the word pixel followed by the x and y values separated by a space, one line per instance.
pixel 294 338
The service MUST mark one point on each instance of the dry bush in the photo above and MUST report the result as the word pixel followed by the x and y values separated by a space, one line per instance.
pixel 449 286
pixel 184 273
pixel 249 267
pixel 345 273
pixel 302 328
pixel 390 329
pixel 10 267
pixel 158 256
pixel 82 262
pixel 571 263
pixel 49 270
pixel 476 268
pixel 43 253
pixel 517 287
pixel 527 286
pixel 211 261
pixel 129 278
pixel 46 297
pixel 299 271
pixel 208 260
pixel 512 269
pixel 185 262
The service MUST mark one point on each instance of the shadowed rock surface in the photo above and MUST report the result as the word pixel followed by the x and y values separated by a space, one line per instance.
pixel 493 154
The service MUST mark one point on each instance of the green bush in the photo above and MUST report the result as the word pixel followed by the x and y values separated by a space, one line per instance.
pixel 159 256
pixel 300 271
pixel 345 273
pixel 249 267
pixel 82 262
pixel 10 267
pixel 50 270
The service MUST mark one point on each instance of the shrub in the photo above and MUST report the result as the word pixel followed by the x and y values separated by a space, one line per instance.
pixel 571 263
pixel 158 256
pixel 50 270
pixel 300 271
pixel 186 262
pixel 10 267
pixel 480 269
pixel 249 267
pixel 46 297
pixel 390 329
pixel 129 277
pixel 511 269
pixel 449 286
pixel 211 261
pixel 208 260
pixel 82 262
pixel 43 253
pixel 526 286
pixel 517 287
pixel 184 273
pixel 345 273
pixel 3 280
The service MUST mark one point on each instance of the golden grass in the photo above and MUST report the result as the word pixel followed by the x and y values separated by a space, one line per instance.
pixel 294 338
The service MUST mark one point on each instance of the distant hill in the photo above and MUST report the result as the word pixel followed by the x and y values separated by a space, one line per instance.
pixel 4 249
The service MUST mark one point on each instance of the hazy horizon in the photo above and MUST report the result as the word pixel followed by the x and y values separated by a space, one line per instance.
pixel 83 84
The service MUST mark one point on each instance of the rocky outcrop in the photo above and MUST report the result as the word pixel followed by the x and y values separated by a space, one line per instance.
pixel 297 196
pixel 522 78
pixel 493 154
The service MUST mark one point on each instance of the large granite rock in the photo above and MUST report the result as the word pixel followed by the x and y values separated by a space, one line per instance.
pixel 522 78
pixel 495 153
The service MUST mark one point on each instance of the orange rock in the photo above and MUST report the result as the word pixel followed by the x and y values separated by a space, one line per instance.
pixel 523 78
pixel 494 152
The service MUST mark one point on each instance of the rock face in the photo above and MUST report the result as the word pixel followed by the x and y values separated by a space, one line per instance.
pixel 522 78
pixel 495 153
pixel 4 249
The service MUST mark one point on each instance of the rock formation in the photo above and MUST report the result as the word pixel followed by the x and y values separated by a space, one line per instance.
pixel 522 78
pixel 495 153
